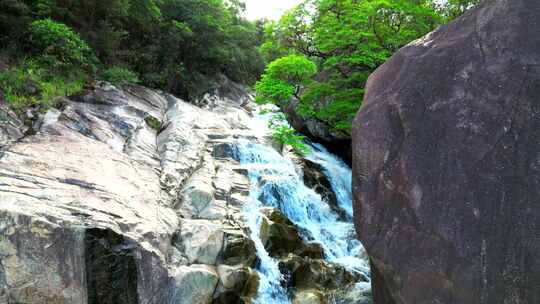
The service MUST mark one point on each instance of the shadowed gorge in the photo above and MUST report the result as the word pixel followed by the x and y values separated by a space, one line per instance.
pixel 111 272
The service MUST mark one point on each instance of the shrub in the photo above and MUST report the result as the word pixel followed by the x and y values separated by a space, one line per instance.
pixel 31 85
pixel 285 135
pixel 119 76
pixel 58 45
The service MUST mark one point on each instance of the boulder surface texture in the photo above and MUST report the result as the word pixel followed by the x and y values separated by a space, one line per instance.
pixel 446 162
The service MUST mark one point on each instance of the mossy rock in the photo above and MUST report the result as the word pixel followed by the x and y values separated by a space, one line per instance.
pixel 153 122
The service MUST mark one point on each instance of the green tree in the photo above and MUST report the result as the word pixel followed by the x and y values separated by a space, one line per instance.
pixel 284 78
pixel 58 45
pixel 120 76
pixel 348 39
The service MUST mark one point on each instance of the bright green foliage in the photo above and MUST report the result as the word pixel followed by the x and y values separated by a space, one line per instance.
pixel 284 78
pixel 292 69
pixel 348 39
pixel 274 91
pixel 285 135
pixel 197 40
pixel 120 76
pixel 58 45
pixel 32 85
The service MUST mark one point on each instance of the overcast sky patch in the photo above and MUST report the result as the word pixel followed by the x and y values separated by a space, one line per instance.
pixel 269 9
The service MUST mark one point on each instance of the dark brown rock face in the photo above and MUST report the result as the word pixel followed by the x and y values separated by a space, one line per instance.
pixel 446 160
pixel 337 142
pixel 315 179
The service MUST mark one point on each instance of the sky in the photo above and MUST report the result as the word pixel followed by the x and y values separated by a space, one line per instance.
pixel 270 9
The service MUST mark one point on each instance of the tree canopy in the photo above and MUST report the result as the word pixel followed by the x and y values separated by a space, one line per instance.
pixel 283 78
pixel 175 45
pixel 348 40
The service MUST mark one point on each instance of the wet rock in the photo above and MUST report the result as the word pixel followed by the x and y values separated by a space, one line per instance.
pixel 224 150
pixel 238 284
pixel 310 250
pixel 446 166
pixel 309 297
pixel 281 237
pixel 99 205
pixel 359 293
pixel 318 131
pixel 278 234
pixel 315 179
pixel 195 284
pixel 233 278
pixel 238 248
pixel 306 273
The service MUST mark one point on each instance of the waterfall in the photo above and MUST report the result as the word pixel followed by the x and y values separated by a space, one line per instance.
pixel 277 182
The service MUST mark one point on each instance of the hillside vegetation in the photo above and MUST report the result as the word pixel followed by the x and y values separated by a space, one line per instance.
pixel 346 40
pixel 51 48
pixel 320 53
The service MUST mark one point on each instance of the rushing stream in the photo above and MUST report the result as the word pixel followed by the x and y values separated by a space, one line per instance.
pixel 276 182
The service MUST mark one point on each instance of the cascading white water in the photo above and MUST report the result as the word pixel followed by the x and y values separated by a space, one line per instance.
pixel 277 183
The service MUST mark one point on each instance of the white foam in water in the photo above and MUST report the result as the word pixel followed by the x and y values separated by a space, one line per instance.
pixel 270 289
pixel 276 183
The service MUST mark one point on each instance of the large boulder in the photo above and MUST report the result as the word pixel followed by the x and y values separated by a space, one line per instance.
pixel 195 284
pixel 447 164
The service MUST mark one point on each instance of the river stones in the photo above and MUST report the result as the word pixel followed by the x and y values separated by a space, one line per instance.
pixel 195 284
pixel 309 297
pixel 446 174
pixel 306 273
pixel 315 179
pixel 238 248
pixel 238 284
pixel 278 234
